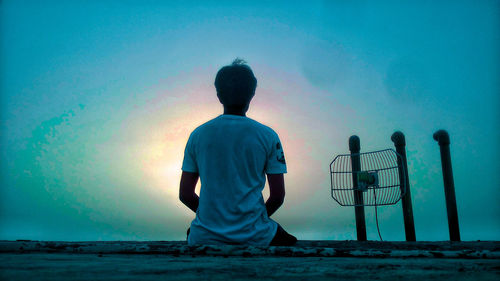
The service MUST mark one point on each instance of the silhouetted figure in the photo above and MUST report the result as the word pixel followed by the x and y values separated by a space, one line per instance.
pixel 232 154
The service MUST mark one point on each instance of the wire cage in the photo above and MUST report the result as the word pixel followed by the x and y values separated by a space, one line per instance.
pixel 378 182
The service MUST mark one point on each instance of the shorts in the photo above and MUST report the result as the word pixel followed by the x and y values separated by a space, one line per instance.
pixel 281 238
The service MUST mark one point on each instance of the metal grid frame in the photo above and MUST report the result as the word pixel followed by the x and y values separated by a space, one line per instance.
pixel 392 179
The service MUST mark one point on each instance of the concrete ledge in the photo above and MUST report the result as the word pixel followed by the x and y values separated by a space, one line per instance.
pixel 368 249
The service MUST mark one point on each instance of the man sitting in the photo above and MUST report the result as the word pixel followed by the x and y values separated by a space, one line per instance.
pixel 232 154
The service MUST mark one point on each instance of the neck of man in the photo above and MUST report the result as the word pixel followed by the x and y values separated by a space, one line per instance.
pixel 235 110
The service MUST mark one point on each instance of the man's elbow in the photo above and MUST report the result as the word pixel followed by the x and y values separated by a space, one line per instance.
pixel 278 198
pixel 282 199
pixel 183 197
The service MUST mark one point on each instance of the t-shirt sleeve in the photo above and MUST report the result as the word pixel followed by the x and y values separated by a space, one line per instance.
pixel 189 162
pixel 275 163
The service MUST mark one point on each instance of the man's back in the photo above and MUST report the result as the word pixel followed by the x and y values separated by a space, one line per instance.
pixel 232 154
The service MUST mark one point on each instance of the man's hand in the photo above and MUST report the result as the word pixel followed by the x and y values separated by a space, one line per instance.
pixel 276 193
pixel 186 190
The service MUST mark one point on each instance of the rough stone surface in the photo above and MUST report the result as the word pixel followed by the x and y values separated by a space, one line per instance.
pixel 463 250
pixel 308 260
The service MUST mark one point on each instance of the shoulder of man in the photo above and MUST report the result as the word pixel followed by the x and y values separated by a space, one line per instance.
pixel 198 130
pixel 264 128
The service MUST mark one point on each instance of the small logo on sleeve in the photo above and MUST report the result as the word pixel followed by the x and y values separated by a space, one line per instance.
pixel 280 156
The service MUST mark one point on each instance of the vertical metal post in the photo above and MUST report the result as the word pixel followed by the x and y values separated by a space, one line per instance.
pixel 443 140
pixel 400 143
pixel 359 209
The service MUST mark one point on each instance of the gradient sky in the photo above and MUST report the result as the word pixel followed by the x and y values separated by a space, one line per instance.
pixel 98 99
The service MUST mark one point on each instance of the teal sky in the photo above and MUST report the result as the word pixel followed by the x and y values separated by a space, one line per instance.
pixel 98 99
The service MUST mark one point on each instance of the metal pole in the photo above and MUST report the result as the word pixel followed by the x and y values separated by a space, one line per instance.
pixel 443 140
pixel 400 143
pixel 359 209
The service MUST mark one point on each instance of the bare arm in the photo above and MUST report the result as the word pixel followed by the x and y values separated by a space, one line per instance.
pixel 186 190
pixel 276 193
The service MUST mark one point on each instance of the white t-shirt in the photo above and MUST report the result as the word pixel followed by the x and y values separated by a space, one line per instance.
pixel 232 155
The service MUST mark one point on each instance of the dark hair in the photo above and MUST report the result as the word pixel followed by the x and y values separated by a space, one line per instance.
pixel 235 84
